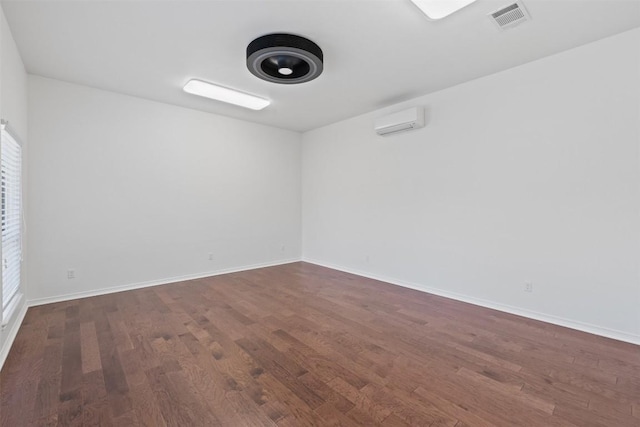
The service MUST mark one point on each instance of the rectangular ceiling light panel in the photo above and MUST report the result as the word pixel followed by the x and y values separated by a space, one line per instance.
pixel 438 9
pixel 219 93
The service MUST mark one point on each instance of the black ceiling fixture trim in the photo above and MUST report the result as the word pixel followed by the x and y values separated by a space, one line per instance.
pixel 284 58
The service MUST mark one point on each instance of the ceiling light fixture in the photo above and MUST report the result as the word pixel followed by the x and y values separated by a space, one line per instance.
pixel 438 9
pixel 231 96
pixel 284 58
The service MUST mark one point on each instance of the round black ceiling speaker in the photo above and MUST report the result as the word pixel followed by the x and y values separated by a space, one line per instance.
pixel 284 58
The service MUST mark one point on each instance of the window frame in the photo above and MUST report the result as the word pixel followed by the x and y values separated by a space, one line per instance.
pixel 9 309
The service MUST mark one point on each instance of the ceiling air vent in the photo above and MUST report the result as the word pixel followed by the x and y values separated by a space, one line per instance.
pixel 510 16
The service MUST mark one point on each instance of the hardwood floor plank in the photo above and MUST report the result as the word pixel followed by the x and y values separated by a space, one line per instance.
pixel 71 410
pixel 71 357
pixel 50 421
pixel 333 417
pixel 507 392
pixel 321 365
pixel 326 393
pixel 376 410
pixel 93 387
pixel 128 419
pixel 265 358
pixel 174 411
pixel 302 345
pixel 589 418
pixel 298 410
pixel 97 413
pixel 250 414
pixel 194 401
pixel 48 394
pixel 635 410
pixel 89 348
pixel 145 405
pixel 115 381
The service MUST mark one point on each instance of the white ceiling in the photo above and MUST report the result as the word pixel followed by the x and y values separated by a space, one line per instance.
pixel 377 52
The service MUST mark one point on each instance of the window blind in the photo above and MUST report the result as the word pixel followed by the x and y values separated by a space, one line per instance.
pixel 11 176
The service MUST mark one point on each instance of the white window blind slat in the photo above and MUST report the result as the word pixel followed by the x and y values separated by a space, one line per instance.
pixel 11 198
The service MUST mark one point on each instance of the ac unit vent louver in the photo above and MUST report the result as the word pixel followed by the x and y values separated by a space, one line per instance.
pixel 402 121
pixel 510 16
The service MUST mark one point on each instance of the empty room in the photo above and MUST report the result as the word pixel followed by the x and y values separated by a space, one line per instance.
pixel 320 213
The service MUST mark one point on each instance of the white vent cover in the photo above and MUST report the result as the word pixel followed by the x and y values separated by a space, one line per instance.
pixel 510 16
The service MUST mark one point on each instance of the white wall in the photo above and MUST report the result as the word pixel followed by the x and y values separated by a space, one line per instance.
pixel 127 191
pixel 531 174
pixel 13 107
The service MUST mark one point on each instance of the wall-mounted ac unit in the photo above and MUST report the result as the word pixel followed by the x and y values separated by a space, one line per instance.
pixel 410 119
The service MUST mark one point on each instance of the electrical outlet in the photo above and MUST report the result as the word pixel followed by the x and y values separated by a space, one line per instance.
pixel 367 259
pixel 528 286
pixel 283 248
pixel 71 274
pixel 210 256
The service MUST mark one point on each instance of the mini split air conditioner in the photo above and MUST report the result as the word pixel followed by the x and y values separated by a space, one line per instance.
pixel 410 119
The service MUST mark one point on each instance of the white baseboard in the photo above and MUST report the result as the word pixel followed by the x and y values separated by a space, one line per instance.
pixel 580 326
pixel 165 281
pixel 11 336
pixel 556 320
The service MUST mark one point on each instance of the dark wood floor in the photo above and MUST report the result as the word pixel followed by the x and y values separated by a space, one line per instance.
pixel 302 345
